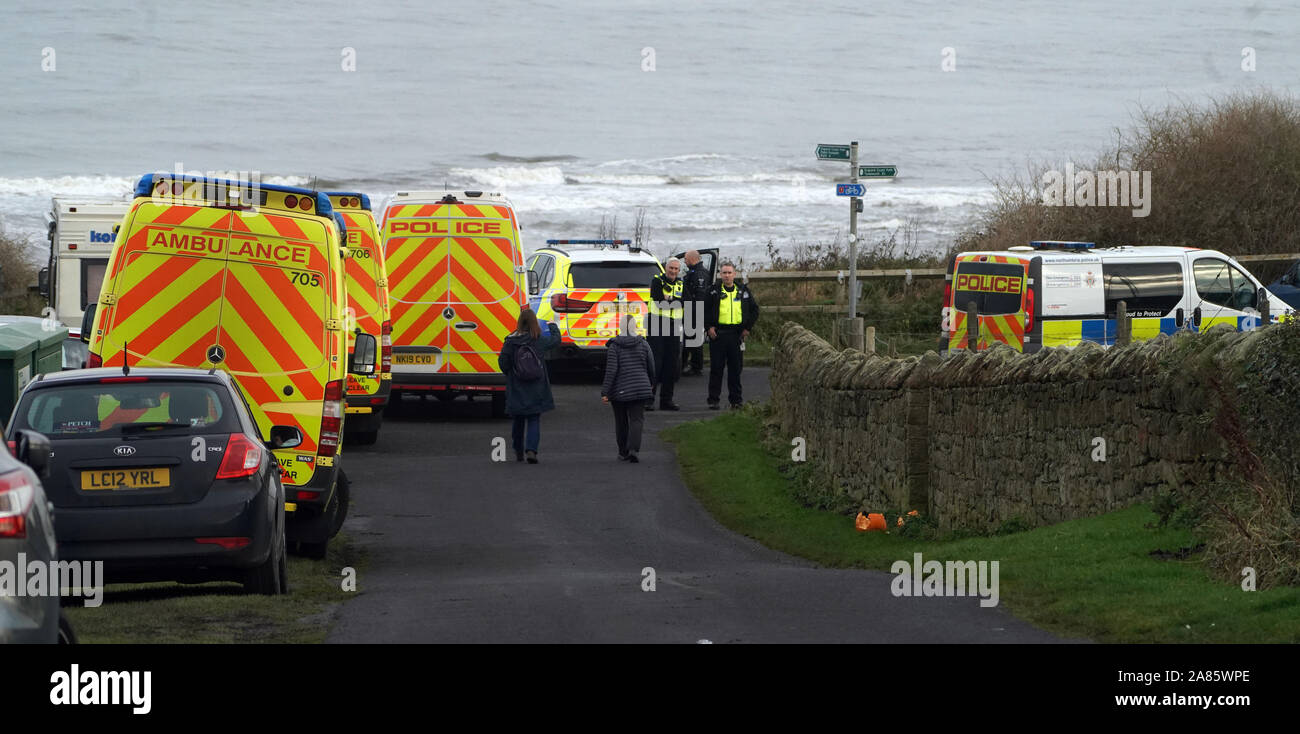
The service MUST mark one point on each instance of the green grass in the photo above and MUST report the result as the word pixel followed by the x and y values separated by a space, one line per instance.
pixel 1092 578
pixel 221 612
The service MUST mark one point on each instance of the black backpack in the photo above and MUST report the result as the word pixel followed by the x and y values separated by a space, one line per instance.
pixel 528 363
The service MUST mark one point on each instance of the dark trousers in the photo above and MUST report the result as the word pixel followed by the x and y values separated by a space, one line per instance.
pixel 724 353
pixel 693 358
pixel 665 351
pixel 532 424
pixel 629 416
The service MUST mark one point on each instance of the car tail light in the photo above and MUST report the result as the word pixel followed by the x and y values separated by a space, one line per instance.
pixel 331 420
pixel 1029 309
pixel 308 495
pixel 94 361
pixel 386 347
pixel 16 495
pixel 563 304
pixel 305 204
pixel 947 322
pixel 243 457
pixel 290 201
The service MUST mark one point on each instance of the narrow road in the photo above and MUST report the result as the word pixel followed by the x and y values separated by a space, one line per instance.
pixel 464 549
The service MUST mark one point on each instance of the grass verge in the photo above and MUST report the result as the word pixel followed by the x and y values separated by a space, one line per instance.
pixel 1094 578
pixel 221 612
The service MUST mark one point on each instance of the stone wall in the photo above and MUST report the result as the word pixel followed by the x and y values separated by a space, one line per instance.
pixel 979 440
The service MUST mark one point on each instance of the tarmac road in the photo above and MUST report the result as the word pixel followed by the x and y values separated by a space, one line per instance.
pixel 464 549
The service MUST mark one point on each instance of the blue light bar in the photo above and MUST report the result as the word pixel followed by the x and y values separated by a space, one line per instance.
pixel 1060 245
pixel 145 188
pixel 589 242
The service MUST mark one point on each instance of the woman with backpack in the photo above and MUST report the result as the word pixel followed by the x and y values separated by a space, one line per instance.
pixel 629 377
pixel 528 387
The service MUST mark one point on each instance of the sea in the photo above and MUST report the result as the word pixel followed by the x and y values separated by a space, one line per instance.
pixel 702 118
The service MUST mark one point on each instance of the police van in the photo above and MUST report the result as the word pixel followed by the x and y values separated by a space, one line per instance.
pixel 1059 294
pixel 368 313
pixel 582 286
pixel 81 232
pixel 456 285
pixel 248 279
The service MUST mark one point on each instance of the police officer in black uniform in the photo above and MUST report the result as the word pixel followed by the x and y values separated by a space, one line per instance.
pixel 664 332
pixel 696 283
pixel 729 313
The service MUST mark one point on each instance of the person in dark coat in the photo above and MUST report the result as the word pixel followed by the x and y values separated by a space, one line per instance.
pixel 526 400
pixel 629 380
pixel 696 284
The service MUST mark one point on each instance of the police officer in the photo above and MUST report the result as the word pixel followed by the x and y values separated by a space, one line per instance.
pixel 729 313
pixel 664 328
pixel 696 286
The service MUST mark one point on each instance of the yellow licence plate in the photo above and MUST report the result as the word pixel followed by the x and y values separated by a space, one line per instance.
pixel 413 358
pixel 149 478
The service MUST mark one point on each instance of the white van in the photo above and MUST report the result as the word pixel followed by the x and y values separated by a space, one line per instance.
pixel 81 233
pixel 1055 294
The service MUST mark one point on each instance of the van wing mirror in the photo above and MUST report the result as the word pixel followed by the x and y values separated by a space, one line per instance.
pixel 362 359
pixel 284 437
pixel 43 282
pixel 533 286
pixel 88 322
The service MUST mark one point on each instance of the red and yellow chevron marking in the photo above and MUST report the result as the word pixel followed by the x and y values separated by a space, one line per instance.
pixel 457 256
pixel 1008 329
pixel 600 323
pixel 367 290
pixel 261 286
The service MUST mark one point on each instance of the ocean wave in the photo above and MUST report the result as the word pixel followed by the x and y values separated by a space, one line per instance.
pixel 506 177
pixel 503 158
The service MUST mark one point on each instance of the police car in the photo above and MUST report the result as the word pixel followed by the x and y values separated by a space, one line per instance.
pixel 582 286
pixel 1056 293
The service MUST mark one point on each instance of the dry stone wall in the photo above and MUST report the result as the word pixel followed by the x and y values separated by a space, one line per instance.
pixel 979 440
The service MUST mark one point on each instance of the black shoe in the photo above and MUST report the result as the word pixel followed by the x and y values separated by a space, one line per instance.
pixel 532 457
pixel 632 459
pixel 713 405
pixel 669 406
pixel 649 406
pixel 519 456
pixel 622 457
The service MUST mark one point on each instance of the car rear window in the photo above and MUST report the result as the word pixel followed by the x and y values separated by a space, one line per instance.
pixel 613 274
pixel 120 408
pixel 994 287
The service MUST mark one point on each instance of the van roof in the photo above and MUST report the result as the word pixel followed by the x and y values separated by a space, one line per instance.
pixel 323 208
pixel 1065 256
pixel 365 200
pixel 101 205
pixel 599 254
pixel 465 197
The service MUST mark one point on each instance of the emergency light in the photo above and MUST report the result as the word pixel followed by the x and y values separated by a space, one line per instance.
pixel 1060 245
pixel 612 243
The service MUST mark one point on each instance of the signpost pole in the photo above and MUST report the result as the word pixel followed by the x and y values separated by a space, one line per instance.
pixel 853 233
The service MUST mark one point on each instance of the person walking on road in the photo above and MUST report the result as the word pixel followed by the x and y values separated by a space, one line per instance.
pixel 729 313
pixel 664 327
pixel 629 375
pixel 695 287
pixel 528 386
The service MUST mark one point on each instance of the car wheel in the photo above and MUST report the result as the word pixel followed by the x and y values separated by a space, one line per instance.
pixel 66 635
pixel 265 578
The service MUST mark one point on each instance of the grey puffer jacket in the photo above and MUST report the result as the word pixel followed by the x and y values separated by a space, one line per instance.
pixel 629 369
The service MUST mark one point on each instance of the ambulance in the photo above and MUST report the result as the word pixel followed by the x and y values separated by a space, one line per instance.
pixel 249 279
pixel 456 286
pixel 81 231
pixel 583 286
pixel 1060 294
pixel 367 289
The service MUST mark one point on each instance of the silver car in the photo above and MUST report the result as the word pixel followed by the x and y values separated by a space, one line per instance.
pixel 27 537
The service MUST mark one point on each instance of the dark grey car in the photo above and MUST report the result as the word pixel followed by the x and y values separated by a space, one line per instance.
pixel 27 537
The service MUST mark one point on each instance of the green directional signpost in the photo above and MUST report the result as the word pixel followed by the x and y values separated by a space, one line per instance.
pixel 854 190
pixel 877 171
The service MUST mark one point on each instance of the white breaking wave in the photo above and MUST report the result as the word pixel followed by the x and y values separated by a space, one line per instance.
pixel 507 177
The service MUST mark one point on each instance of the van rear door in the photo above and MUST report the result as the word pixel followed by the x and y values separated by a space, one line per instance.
pixel 996 284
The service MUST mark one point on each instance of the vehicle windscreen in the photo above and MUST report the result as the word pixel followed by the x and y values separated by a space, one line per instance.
pixel 994 287
pixel 613 274
pixel 92 410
